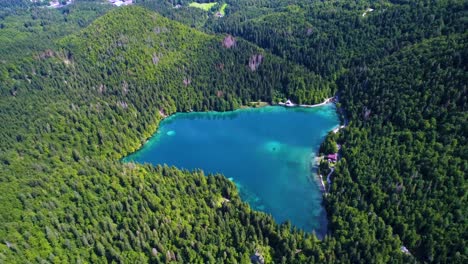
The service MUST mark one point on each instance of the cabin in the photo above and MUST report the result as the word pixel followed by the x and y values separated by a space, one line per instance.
pixel 55 4
pixel 405 250
pixel 257 258
pixel 332 157
pixel 289 103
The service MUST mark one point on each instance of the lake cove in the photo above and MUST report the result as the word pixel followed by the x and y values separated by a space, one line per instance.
pixel 267 152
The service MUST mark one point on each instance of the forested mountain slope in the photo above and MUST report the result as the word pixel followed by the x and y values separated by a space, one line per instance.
pixel 404 154
pixel 400 65
pixel 331 36
pixel 69 113
pixel 24 31
pixel 72 105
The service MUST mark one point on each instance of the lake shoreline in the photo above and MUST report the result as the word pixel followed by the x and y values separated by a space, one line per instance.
pixel 314 160
pixel 291 104
pixel 314 179
pixel 280 122
pixel 261 104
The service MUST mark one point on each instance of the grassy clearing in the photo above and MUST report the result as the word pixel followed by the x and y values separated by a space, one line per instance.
pixel 204 6
pixel 255 104
pixel 222 9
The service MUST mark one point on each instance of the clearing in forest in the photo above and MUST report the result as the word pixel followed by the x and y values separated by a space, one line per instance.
pixel 222 9
pixel 204 6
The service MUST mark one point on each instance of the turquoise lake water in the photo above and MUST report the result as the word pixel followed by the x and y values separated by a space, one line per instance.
pixel 268 152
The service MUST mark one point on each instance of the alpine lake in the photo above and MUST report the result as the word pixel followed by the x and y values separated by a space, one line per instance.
pixel 267 152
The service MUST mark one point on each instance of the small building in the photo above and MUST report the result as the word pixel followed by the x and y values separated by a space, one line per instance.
pixel 55 4
pixel 257 258
pixel 405 250
pixel 332 157
pixel 289 103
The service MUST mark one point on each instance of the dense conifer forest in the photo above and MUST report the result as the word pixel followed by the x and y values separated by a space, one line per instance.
pixel 86 84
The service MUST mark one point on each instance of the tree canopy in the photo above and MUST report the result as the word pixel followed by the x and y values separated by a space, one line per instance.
pixel 84 85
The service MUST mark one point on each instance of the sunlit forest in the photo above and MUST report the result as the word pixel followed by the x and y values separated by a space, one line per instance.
pixel 85 84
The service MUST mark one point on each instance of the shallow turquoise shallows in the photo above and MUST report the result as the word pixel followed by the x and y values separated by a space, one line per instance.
pixel 268 152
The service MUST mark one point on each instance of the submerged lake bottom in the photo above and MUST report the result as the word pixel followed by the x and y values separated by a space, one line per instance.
pixel 267 152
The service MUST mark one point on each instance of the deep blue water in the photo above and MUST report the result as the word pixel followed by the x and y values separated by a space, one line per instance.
pixel 268 152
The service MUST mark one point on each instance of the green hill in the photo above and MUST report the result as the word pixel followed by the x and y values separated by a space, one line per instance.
pixel 406 150
pixel 70 113
pixel 78 93
pixel 330 37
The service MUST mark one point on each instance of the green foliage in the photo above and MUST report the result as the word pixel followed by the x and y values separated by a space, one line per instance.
pixel 194 17
pixel 329 145
pixel 222 9
pixel 330 37
pixel 408 145
pixel 78 93
pixel 25 31
pixel 203 6
pixel 14 3
pixel 74 110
